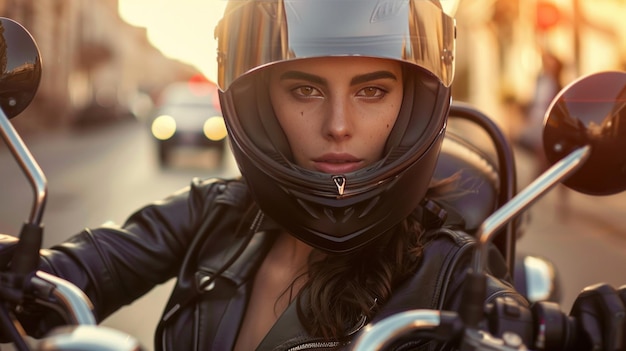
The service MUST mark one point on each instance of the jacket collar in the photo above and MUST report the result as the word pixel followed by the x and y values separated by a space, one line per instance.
pixel 289 334
pixel 244 267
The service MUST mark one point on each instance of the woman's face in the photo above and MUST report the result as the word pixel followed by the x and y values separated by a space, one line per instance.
pixel 337 112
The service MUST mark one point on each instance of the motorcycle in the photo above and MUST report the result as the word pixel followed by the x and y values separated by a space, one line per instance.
pixel 491 213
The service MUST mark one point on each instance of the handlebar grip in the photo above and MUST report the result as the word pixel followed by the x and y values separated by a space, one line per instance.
pixel 26 258
pixel 555 330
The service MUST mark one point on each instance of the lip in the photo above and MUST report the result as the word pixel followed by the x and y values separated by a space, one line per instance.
pixel 337 163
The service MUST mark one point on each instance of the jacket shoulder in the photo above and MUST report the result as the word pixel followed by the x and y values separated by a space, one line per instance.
pixel 437 282
pixel 233 192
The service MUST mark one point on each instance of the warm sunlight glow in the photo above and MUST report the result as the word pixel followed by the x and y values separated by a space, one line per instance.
pixel 181 29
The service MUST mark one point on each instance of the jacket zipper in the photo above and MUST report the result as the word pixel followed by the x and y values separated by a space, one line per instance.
pixel 327 344
pixel 314 345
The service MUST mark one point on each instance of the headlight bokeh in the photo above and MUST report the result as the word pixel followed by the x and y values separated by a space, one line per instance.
pixel 214 128
pixel 163 127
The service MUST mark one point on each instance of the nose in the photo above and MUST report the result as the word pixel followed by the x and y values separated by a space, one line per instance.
pixel 338 124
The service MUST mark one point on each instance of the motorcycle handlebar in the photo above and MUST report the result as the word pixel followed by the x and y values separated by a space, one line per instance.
pixel 554 329
pixel 64 297
pixel 382 334
pixel 550 329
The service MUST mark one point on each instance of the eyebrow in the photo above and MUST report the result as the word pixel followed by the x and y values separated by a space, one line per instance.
pixel 362 78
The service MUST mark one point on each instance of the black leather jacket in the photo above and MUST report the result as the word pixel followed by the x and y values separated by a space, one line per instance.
pixel 190 236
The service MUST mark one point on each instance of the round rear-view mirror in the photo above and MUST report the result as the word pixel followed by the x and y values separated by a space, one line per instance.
pixel 591 111
pixel 20 67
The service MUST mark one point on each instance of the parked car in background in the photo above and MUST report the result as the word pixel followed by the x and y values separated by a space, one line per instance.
pixel 188 114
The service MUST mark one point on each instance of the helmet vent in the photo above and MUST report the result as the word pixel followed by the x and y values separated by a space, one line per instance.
pixel 307 208
pixel 339 215
pixel 386 10
pixel 330 214
pixel 369 206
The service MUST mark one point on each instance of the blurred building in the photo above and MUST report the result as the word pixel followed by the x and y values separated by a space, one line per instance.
pixel 500 43
pixel 95 65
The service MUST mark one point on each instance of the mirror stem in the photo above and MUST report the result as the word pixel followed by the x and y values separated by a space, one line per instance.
pixel 26 256
pixel 475 284
pixel 533 192
pixel 29 166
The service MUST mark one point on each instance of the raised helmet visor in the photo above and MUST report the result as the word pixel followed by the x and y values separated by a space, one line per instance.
pixel 416 32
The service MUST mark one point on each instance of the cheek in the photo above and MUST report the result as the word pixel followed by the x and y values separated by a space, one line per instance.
pixel 388 119
pixel 291 119
pixel 293 123
pixel 379 132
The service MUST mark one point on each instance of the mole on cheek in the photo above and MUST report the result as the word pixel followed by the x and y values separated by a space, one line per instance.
pixel 301 113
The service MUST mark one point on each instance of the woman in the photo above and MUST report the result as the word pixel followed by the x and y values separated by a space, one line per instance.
pixel 336 112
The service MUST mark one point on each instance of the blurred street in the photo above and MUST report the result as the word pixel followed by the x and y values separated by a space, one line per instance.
pixel 99 176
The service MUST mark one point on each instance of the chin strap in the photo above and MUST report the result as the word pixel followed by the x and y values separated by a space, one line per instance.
pixel 435 215
pixel 432 214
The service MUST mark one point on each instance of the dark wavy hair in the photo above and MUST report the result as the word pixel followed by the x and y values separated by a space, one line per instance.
pixel 344 289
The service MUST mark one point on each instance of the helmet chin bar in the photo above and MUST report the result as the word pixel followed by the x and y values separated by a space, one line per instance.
pixel 341 225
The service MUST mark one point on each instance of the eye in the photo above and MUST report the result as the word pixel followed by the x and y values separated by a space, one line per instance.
pixel 371 92
pixel 306 91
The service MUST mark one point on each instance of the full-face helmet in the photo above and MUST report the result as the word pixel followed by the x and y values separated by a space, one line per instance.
pixel 336 212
